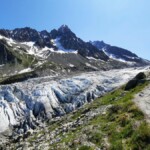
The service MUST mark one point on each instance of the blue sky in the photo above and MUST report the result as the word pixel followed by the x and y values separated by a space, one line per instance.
pixel 124 23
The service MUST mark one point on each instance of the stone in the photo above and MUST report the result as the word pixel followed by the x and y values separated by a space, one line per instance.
pixel 139 78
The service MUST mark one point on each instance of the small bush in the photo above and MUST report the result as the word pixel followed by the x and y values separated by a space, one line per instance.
pixel 114 109
pixel 141 137
pixel 127 131
pixel 136 112
pixel 84 147
pixel 116 145
pixel 96 138
pixel 123 120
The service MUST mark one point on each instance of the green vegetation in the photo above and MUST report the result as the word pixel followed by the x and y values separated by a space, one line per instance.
pixel 22 58
pixel 84 147
pixel 121 127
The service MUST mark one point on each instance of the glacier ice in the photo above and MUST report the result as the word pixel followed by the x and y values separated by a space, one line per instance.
pixel 26 102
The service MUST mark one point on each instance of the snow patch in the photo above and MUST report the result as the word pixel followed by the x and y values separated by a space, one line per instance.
pixel 91 58
pixel 1 65
pixel 71 65
pixel 25 70
pixel 61 49
pixel 87 64
pixel 118 59
pixel 9 40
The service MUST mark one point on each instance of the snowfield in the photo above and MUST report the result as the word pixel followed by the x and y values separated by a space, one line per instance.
pixel 43 98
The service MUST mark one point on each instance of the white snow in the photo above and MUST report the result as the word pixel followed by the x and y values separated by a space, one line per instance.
pixel 87 64
pixel 34 50
pixel 30 44
pixel 1 37
pixel 61 49
pixel 91 58
pixel 9 40
pixel 45 52
pixel 118 59
pixel 130 57
pixel 112 56
pixel 25 70
pixel 71 65
pixel 1 65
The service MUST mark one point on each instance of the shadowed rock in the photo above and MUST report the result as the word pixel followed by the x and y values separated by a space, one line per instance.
pixel 139 78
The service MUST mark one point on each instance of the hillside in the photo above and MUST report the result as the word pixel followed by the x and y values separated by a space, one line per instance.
pixel 112 121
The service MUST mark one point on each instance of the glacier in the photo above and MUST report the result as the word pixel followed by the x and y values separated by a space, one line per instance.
pixel 25 104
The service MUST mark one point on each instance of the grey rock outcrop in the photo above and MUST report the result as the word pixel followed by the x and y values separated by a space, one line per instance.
pixel 139 78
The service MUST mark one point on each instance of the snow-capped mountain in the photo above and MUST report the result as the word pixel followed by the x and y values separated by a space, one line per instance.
pixel 44 53
pixel 63 35
pixel 118 53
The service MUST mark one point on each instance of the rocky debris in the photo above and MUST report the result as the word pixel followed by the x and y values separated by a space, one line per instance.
pixel 44 138
pixel 139 78
pixel 142 100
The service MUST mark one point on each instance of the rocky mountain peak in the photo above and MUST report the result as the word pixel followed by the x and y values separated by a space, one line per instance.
pixel 64 29
pixel 4 32
pixel 99 44
pixel 68 40
pixel 25 34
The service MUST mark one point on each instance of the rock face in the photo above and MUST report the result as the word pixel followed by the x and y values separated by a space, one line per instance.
pixel 139 78
pixel 118 53
pixel 64 35
pixel 56 50
pixel 43 43
pixel 70 41
pixel 5 55
pixel 143 102
pixel 27 103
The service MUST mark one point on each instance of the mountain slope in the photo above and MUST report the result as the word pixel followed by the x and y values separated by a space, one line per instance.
pixel 64 40
pixel 69 41
pixel 63 35
pixel 118 53
pixel 58 51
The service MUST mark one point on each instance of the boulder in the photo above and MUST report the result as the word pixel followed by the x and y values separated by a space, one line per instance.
pixel 139 78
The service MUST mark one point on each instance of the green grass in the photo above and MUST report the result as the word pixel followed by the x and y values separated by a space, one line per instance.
pixel 23 58
pixel 84 147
